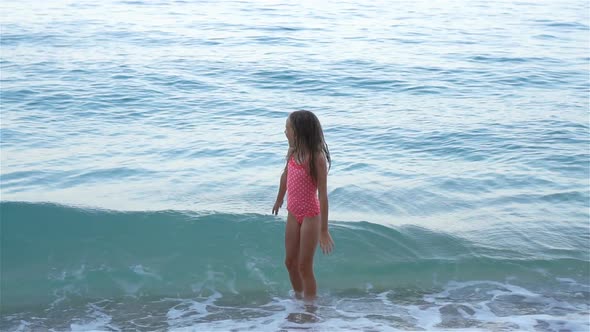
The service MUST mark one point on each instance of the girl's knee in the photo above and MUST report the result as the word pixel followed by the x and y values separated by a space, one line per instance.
pixel 291 264
pixel 305 268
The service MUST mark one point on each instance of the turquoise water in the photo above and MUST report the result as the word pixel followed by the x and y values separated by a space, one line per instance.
pixel 82 269
pixel 142 144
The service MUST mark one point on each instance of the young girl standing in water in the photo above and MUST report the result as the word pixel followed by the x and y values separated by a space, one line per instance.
pixel 305 182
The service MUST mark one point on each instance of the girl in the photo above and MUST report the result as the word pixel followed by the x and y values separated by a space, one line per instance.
pixel 305 181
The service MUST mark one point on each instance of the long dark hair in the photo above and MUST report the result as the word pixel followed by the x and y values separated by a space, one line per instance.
pixel 309 139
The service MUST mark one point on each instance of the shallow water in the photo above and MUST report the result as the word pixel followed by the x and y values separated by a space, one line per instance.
pixel 84 269
pixel 459 138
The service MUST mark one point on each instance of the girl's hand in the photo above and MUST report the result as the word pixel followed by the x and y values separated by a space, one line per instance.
pixel 326 242
pixel 275 209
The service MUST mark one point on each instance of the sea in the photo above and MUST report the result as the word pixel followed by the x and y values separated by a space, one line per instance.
pixel 142 142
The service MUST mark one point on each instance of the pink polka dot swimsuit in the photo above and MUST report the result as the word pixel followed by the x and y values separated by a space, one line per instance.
pixel 302 192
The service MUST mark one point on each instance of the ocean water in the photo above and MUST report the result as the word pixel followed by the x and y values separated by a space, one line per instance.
pixel 142 144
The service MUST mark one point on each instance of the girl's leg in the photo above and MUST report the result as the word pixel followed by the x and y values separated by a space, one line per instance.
pixel 310 235
pixel 292 253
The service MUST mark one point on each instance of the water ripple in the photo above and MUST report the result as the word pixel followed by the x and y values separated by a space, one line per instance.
pixel 424 118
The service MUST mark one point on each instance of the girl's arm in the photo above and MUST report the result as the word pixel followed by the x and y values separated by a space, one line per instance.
pixel 326 242
pixel 282 188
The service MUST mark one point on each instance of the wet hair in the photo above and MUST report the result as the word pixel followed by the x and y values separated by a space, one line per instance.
pixel 309 139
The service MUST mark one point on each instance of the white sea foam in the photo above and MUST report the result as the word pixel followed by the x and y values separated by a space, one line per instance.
pixel 140 270
pixel 96 320
pixel 458 306
pixel 22 326
pixel 440 311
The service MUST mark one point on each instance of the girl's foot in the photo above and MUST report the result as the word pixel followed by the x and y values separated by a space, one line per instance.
pixel 296 295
